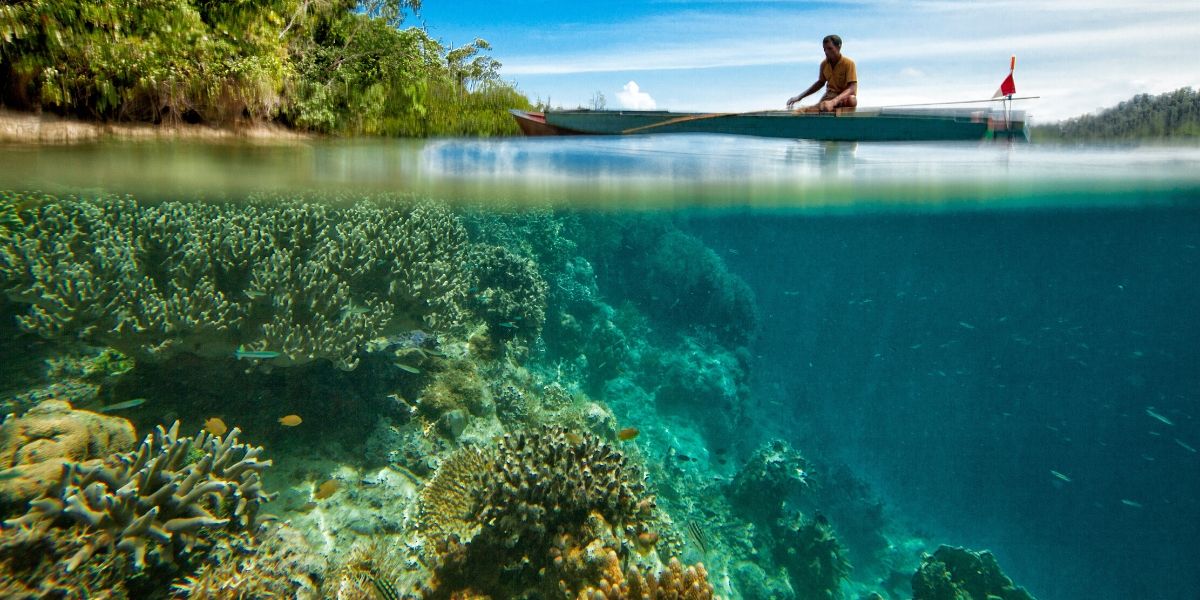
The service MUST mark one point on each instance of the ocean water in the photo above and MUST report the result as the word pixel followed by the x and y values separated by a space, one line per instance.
pixel 987 346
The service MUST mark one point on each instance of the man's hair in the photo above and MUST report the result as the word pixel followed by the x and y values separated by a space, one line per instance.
pixel 836 39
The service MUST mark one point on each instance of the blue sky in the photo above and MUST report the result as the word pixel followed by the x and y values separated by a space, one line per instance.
pixel 1078 55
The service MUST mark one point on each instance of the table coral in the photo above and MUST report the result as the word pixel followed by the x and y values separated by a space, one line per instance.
pixel 304 279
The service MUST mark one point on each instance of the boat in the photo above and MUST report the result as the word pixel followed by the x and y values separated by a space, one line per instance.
pixel 861 125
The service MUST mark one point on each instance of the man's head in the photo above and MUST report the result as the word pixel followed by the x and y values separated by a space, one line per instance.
pixel 833 47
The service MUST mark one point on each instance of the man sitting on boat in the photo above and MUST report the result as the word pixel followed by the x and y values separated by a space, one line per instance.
pixel 837 75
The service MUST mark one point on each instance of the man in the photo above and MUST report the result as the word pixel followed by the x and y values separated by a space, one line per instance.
pixel 837 75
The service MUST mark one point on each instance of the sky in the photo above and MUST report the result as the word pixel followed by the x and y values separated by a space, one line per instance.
pixel 1078 56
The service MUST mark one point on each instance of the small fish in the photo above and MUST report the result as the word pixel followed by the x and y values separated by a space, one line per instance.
pixel 791 293
pixel 254 294
pixel 697 535
pixel 966 325
pixel 327 489
pixel 290 420
pixel 407 368
pixel 574 438
pixel 255 354
pixel 353 311
pixel 384 588
pixel 508 324
pixel 1184 445
pixel 7 474
pixel 215 426
pixel 684 457
pixel 1151 412
pixel 124 405
pixel 628 434
pixel 1060 476
pixel 1132 503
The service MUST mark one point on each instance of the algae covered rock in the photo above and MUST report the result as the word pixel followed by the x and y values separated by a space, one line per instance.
pixel 35 447
pixel 960 574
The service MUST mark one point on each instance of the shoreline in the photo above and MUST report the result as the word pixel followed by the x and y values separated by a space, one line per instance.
pixel 20 127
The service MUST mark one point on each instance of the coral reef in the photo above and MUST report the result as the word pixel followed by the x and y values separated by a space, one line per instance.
pixel 960 574
pixel 278 565
pixel 154 503
pixel 509 293
pixel 302 279
pixel 494 519
pixel 775 473
pixel 36 446
pixel 812 556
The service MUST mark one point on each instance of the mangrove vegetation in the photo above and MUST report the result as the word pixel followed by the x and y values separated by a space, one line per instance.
pixel 343 67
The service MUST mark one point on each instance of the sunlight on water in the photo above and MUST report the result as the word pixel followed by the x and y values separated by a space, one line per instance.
pixel 630 172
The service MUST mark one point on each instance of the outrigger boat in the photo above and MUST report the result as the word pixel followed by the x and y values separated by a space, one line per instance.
pixel 864 124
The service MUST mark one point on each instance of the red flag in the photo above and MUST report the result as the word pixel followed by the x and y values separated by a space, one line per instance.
pixel 1009 87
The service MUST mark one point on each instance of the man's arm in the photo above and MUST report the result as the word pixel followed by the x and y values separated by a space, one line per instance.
pixel 812 88
pixel 832 103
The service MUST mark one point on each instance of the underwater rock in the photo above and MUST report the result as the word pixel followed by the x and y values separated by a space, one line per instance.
pixel 37 445
pixel 960 574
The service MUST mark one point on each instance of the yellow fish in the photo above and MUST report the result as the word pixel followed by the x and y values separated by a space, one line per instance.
pixel 290 420
pixel 215 426
pixel 627 434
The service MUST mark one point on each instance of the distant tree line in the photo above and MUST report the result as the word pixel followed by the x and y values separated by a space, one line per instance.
pixel 333 66
pixel 1173 115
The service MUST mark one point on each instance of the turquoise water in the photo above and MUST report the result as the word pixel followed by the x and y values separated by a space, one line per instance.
pixel 983 346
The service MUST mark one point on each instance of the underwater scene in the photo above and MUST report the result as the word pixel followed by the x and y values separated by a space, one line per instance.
pixel 665 367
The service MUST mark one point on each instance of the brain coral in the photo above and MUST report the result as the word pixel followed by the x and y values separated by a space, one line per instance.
pixel 306 279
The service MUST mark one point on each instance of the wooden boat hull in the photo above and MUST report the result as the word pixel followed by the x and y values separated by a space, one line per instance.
pixel 864 125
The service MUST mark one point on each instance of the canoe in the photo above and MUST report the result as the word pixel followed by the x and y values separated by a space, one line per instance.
pixel 862 125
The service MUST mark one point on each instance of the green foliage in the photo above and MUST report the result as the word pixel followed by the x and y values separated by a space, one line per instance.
pixel 332 66
pixel 1174 115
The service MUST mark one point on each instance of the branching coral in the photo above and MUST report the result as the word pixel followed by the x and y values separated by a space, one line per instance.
pixel 491 518
pixel 510 294
pixel 303 279
pixel 156 499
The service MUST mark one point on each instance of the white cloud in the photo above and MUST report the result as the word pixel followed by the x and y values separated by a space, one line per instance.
pixel 633 98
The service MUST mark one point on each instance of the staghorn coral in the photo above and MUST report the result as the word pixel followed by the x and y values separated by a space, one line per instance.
pixel 304 279
pixel 37 445
pixel 157 499
pixel 491 517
